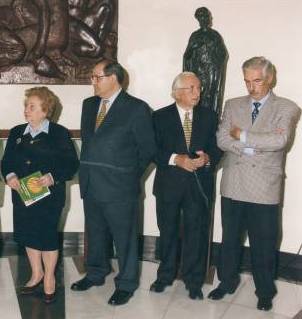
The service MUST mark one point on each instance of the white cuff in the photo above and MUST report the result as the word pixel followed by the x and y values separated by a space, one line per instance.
pixel 248 151
pixel 52 180
pixel 243 137
pixel 171 160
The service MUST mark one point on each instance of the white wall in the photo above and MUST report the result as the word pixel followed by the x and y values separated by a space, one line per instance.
pixel 152 38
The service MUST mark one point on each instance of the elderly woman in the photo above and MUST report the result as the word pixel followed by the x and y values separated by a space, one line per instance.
pixel 39 145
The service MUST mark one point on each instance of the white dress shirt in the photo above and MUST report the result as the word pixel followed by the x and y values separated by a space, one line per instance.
pixel 182 113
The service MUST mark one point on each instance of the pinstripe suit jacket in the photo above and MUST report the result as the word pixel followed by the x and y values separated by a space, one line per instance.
pixel 256 178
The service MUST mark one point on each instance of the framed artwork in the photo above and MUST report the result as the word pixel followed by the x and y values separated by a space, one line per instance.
pixel 55 41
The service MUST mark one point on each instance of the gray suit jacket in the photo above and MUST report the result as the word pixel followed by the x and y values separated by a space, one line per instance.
pixel 256 178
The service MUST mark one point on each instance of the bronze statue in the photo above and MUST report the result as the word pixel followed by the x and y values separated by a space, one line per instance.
pixel 56 37
pixel 206 56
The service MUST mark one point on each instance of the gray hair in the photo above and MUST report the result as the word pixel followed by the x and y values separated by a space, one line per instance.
pixel 259 62
pixel 179 78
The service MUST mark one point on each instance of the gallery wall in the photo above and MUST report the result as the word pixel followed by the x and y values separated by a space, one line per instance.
pixel 152 38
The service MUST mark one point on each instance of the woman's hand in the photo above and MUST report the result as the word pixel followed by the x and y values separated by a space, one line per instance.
pixel 13 182
pixel 46 180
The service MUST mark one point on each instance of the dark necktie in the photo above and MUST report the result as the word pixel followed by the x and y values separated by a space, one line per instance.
pixel 255 111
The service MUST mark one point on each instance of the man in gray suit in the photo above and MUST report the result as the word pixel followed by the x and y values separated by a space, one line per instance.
pixel 254 133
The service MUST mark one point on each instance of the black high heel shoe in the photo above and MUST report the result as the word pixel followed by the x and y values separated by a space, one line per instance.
pixel 49 298
pixel 29 290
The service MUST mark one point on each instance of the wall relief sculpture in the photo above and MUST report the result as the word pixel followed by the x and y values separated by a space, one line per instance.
pixel 206 56
pixel 55 41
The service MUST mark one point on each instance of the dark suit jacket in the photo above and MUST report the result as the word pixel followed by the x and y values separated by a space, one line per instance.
pixel 114 157
pixel 171 181
pixel 49 153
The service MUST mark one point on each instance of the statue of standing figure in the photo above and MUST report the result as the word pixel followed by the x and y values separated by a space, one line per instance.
pixel 206 56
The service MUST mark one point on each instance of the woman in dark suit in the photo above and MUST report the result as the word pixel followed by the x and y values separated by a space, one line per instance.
pixel 39 145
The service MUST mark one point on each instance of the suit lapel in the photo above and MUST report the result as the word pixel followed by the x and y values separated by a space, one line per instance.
pixel 265 113
pixel 114 108
pixel 200 126
pixel 113 111
pixel 92 112
pixel 244 114
pixel 197 125
pixel 179 132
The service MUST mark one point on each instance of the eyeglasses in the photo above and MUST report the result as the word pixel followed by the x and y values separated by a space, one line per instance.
pixel 95 77
pixel 191 88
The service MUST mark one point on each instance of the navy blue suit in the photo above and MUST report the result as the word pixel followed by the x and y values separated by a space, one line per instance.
pixel 178 190
pixel 113 158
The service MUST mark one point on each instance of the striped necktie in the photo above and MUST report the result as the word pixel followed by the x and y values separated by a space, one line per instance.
pixel 187 127
pixel 102 113
pixel 255 111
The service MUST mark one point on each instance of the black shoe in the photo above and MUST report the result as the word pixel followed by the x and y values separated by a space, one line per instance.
pixel 218 293
pixel 85 284
pixel 120 297
pixel 264 304
pixel 49 298
pixel 29 290
pixel 159 286
pixel 195 293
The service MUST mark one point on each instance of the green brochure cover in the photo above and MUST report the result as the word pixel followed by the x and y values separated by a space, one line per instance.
pixel 30 191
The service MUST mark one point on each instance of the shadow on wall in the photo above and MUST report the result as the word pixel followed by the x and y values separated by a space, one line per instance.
pixel 141 209
pixel 289 147
pixel 69 184
pixel 2 191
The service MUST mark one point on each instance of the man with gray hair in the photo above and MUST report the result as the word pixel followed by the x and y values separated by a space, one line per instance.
pixel 254 133
pixel 186 158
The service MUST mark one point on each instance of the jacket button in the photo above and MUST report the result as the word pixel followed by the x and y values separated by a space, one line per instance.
pixel 253 165
pixel 28 162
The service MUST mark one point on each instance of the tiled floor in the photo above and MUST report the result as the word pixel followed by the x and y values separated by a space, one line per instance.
pixel 171 304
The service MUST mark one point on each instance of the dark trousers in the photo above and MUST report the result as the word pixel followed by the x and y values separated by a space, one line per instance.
pixel 119 220
pixel 261 223
pixel 195 218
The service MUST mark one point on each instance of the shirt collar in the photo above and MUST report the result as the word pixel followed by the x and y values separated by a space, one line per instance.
pixel 263 100
pixel 44 127
pixel 112 98
pixel 182 111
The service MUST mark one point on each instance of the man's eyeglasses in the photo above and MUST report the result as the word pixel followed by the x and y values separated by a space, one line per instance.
pixel 95 77
pixel 191 88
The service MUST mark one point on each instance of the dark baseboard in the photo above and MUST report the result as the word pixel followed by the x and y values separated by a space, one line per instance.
pixel 289 266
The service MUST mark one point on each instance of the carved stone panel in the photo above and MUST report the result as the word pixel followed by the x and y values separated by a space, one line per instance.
pixel 55 41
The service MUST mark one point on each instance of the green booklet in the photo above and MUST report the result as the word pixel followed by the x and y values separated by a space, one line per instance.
pixel 30 191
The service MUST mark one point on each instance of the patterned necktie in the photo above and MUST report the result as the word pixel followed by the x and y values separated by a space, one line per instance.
pixel 187 127
pixel 255 111
pixel 102 113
